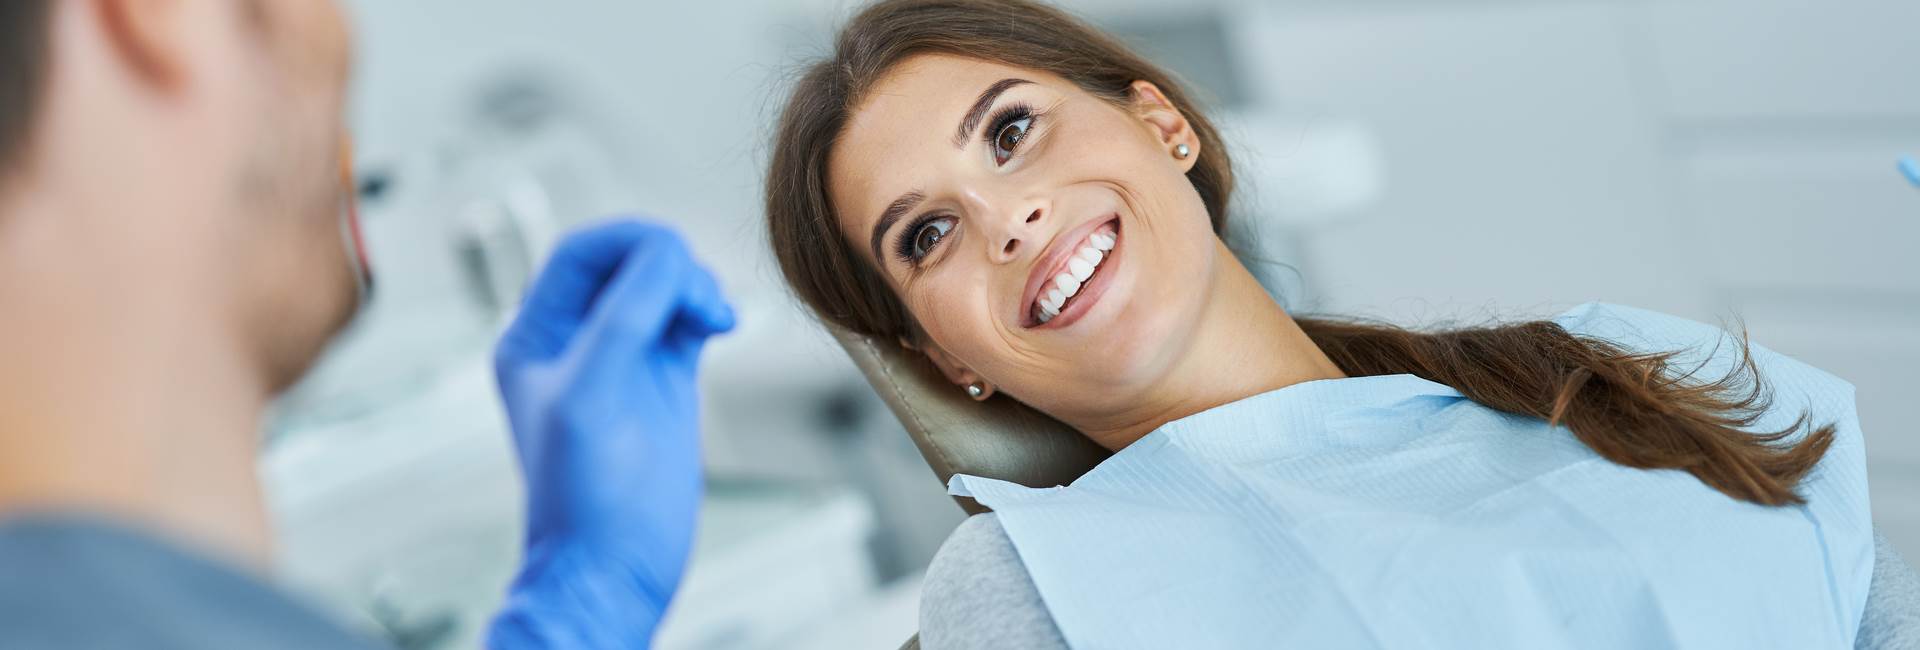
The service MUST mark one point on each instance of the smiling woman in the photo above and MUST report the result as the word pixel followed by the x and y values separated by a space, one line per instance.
pixel 973 150
pixel 1038 211
pixel 1049 244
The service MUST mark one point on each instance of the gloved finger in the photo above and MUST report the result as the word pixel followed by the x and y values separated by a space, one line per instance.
pixel 560 299
pixel 704 313
pixel 705 304
pixel 647 294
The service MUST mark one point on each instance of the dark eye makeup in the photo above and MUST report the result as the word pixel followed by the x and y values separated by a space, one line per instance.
pixel 1010 128
pixel 919 238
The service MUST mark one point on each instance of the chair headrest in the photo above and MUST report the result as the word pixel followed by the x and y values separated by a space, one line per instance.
pixel 999 438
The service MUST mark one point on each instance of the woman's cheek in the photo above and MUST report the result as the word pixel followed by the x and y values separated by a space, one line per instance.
pixel 948 315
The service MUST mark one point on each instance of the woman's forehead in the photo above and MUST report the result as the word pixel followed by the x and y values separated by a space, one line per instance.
pixel 921 99
pixel 932 77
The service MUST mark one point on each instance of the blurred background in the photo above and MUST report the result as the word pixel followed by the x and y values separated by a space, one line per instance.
pixel 1423 161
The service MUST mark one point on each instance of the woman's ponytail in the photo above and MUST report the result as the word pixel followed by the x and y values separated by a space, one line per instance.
pixel 1633 409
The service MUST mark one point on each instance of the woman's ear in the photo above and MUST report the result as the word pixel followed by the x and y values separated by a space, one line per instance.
pixel 1169 125
pixel 956 372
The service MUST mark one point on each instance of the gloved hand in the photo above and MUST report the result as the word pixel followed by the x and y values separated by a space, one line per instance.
pixel 597 373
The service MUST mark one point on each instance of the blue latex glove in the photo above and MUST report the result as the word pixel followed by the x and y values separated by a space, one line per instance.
pixel 597 373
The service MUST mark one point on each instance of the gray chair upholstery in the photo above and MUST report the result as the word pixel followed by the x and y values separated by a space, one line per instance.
pixel 999 438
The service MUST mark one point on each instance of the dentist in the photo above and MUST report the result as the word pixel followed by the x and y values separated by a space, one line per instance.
pixel 173 255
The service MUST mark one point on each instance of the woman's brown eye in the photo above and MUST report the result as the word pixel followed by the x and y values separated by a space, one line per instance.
pixel 929 236
pixel 1009 139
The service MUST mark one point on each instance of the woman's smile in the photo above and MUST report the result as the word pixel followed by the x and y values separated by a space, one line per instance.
pixel 1072 275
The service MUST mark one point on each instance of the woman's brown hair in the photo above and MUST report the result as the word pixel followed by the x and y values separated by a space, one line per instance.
pixel 1636 409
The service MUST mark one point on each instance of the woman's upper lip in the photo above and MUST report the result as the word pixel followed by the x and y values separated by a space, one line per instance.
pixel 1054 260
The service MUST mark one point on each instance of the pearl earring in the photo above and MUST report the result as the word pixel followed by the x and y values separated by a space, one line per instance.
pixel 1181 151
pixel 976 389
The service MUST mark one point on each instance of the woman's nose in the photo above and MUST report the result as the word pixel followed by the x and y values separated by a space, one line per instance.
pixel 1021 230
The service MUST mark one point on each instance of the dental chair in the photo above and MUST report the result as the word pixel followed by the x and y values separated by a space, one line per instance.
pixel 999 438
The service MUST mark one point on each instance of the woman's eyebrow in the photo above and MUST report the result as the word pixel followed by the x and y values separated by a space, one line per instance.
pixel 894 211
pixel 979 109
pixel 906 202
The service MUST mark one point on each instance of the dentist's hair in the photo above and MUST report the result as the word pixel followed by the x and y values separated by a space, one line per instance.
pixel 23 67
pixel 1638 410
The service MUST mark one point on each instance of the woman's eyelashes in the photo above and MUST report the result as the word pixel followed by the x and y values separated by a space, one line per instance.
pixel 1009 128
pixel 919 238
pixel 1005 134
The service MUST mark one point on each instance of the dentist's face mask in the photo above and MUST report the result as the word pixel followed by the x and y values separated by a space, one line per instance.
pixel 1046 240
pixel 352 235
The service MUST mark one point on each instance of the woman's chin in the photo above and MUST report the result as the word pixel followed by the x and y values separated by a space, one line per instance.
pixel 1120 335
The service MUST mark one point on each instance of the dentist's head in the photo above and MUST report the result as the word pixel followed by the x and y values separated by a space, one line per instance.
pixel 170 246
pixel 177 164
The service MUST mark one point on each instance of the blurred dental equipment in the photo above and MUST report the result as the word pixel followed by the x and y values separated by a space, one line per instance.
pixel 1911 169
pixel 459 228
pixel 1302 176
pixel 1306 173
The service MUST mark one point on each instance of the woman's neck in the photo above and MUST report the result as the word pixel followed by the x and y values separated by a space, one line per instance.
pixel 1245 345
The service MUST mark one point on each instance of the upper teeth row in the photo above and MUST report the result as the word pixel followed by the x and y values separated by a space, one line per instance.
pixel 1079 268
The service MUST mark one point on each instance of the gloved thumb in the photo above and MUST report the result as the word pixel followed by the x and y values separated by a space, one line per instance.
pixel 705 305
pixel 656 288
pixel 571 282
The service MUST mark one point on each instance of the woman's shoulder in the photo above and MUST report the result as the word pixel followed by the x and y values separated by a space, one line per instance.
pixel 1795 396
pixel 1788 389
pixel 977 594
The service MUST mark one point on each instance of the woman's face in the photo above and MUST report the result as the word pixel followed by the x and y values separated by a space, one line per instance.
pixel 1047 240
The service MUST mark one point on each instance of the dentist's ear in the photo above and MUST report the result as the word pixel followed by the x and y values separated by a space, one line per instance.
pixel 1168 125
pixel 975 388
pixel 154 38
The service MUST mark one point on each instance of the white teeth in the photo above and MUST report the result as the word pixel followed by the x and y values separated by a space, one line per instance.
pixel 1066 284
pixel 1081 269
pixel 1047 309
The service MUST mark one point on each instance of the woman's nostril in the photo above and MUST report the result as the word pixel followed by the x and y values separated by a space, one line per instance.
pixel 1033 217
pixel 1011 245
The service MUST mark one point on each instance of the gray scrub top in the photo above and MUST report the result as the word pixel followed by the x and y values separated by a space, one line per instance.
pixel 71 582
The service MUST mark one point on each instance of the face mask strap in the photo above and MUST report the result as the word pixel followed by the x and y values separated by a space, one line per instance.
pixel 350 233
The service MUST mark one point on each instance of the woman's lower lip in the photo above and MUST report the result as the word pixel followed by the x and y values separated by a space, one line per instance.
pixel 1090 294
